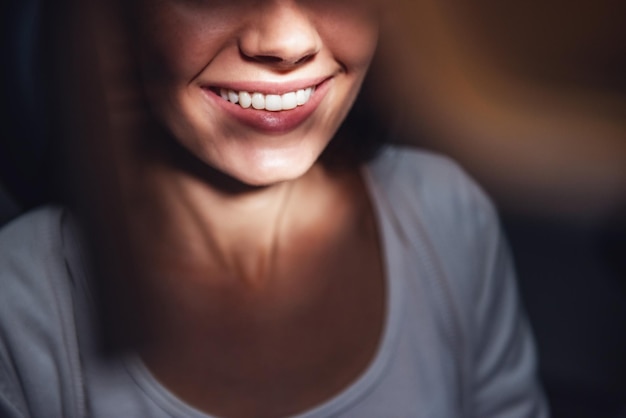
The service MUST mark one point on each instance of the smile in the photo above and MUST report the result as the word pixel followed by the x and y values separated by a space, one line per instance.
pixel 279 109
pixel 270 102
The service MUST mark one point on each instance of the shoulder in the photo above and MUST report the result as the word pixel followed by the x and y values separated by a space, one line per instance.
pixel 425 173
pixel 29 246
pixel 36 313
pixel 433 190
pixel 31 259
pixel 15 234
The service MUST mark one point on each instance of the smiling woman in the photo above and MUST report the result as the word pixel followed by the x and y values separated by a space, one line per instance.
pixel 196 52
pixel 216 262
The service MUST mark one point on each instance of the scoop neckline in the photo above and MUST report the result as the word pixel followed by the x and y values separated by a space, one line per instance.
pixel 342 400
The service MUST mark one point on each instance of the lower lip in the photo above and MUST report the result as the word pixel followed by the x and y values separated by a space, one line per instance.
pixel 272 122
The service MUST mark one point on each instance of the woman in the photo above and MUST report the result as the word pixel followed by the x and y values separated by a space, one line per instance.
pixel 256 277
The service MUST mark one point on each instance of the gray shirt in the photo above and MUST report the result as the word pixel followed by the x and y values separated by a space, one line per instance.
pixel 455 341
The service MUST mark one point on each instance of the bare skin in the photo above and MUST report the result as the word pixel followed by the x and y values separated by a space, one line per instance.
pixel 262 301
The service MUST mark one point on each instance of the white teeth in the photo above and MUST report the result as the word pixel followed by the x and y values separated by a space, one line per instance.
pixel 301 97
pixel 289 101
pixel 233 97
pixel 245 100
pixel 271 102
pixel 258 101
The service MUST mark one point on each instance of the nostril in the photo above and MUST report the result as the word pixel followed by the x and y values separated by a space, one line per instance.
pixel 270 59
pixel 304 59
pixel 276 60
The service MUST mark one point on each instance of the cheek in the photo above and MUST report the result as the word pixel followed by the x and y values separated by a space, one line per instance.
pixel 358 47
pixel 350 31
pixel 177 44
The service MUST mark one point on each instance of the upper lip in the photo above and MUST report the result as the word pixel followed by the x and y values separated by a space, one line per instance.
pixel 266 87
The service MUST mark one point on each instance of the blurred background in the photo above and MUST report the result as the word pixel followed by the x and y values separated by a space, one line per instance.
pixel 530 97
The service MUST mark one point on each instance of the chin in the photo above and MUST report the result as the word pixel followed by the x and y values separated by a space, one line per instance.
pixel 265 168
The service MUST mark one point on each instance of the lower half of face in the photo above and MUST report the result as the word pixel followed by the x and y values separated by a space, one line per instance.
pixel 254 119
pixel 259 146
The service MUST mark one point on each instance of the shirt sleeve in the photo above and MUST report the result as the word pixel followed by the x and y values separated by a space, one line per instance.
pixel 38 355
pixel 12 404
pixel 503 354
pixel 480 304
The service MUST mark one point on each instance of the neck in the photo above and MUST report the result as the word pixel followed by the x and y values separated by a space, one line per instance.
pixel 189 217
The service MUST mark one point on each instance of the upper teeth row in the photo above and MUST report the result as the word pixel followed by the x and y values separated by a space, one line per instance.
pixel 271 102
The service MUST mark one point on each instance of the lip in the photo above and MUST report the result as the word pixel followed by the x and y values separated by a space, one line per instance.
pixel 264 120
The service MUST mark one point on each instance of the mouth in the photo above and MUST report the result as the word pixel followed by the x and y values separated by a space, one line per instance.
pixel 269 102
pixel 269 107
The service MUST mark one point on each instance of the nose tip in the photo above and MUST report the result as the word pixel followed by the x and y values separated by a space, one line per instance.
pixel 280 35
